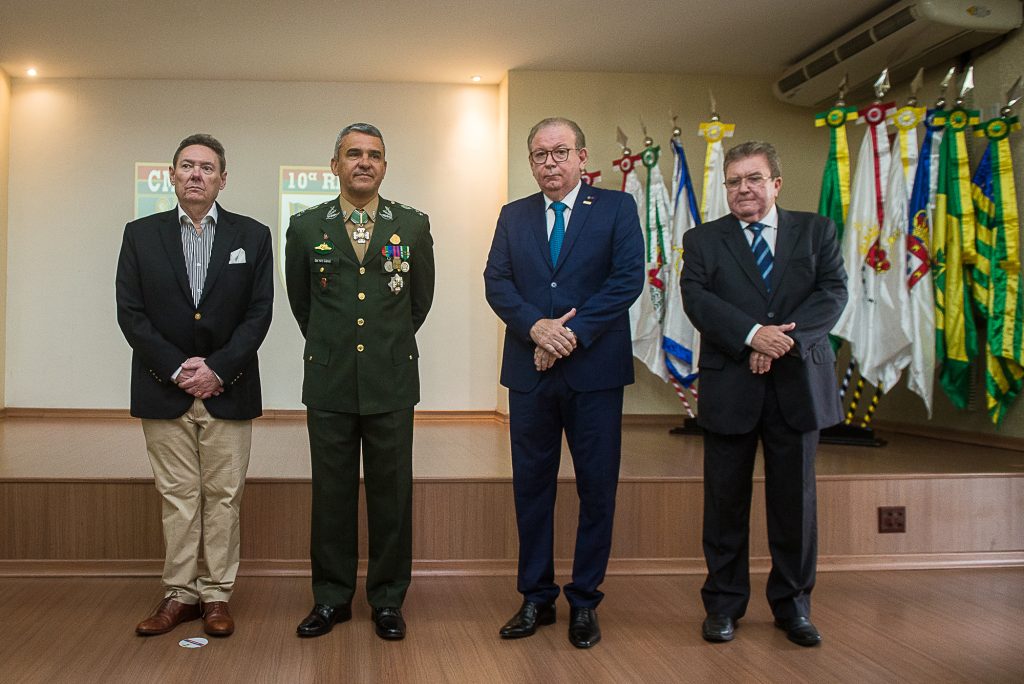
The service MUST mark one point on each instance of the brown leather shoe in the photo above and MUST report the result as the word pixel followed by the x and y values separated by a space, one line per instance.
pixel 168 615
pixel 217 620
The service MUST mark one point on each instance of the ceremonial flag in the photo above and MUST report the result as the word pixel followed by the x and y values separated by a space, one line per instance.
pixel 876 318
pixel 956 342
pixel 649 348
pixel 834 201
pixel 681 341
pixel 906 120
pixel 644 324
pixel 712 201
pixel 998 269
pixel 921 375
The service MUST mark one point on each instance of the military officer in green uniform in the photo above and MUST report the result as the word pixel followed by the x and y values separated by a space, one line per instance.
pixel 360 278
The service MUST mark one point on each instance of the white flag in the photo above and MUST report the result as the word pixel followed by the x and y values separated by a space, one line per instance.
pixel 713 203
pixel 648 348
pixel 889 315
pixel 681 339
pixel 874 252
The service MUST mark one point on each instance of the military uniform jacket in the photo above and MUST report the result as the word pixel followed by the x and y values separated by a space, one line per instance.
pixel 360 319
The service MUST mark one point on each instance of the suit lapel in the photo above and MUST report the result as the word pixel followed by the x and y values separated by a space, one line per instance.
pixel 170 237
pixel 223 243
pixel 786 235
pixel 737 243
pixel 580 210
pixel 538 221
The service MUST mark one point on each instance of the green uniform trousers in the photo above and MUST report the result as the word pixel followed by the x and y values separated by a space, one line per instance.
pixel 334 444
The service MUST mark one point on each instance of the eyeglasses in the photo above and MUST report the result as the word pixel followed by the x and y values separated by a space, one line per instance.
pixel 753 180
pixel 559 155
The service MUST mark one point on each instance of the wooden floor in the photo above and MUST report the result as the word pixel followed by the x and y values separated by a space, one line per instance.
pixel 909 626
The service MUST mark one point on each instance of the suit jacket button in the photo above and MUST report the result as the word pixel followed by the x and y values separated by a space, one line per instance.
pixel 362 270
pixel 554 284
pixel 310 358
pixel 321 269
pixel 362 296
pixel 360 347
pixel 360 321
pixel 771 314
pixel 198 315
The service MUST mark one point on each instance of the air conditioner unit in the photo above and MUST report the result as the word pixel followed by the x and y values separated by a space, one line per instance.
pixel 904 37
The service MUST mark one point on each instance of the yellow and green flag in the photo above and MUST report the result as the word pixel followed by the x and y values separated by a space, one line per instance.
pixel 997 273
pixel 834 201
pixel 953 235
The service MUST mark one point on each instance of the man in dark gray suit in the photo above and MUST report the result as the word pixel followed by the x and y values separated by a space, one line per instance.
pixel 763 286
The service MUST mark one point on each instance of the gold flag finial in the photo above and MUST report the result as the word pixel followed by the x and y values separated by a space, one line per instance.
pixel 966 87
pixel 1013 96
pixel 623 142
pixel 648 141
pixel 944 87
pixel 882 85
pixel 915 87
pixel 841 97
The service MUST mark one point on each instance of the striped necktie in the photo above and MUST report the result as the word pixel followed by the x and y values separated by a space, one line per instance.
pixel 762 253
pixel 557 232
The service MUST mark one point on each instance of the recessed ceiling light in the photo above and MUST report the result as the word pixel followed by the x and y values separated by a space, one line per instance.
pixel 475 79
pixel 31 71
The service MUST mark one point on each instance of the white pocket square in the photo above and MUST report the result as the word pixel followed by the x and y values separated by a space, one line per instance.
pixel 237 257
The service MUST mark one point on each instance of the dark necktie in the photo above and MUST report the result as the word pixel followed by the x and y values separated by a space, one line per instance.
pixel 762 253
pixel 557 232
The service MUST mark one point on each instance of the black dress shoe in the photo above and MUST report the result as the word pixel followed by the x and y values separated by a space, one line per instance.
pixel 800 631
pixel 388 623
pixel 527 619
pixel 322 618
pixel 583 629
pixel 718 628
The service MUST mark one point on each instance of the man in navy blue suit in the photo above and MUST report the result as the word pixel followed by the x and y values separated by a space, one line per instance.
pixel 564 267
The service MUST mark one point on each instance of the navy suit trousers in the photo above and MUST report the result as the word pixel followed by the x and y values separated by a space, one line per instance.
pixel 592 422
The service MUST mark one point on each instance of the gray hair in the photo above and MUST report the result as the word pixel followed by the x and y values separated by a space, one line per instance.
pixel 368 129
pixel 581 141
pixel 754 148
pixel 206 140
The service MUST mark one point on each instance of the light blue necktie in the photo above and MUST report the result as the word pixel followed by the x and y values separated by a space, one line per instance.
pixel 557 232
pixel 762 253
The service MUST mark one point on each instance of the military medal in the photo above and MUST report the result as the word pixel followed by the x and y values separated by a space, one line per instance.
pixel 325 247
pixel 323 283
pixel 359 219
pixel 396 283
pixel 395 256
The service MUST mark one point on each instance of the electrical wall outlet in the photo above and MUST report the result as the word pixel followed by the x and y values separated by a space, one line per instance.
pixel 892 519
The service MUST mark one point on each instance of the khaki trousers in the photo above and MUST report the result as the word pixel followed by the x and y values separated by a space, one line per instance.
pixel 199 465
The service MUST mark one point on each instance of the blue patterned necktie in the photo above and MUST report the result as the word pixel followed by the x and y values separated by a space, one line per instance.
pixel 762 253
pixel 557 232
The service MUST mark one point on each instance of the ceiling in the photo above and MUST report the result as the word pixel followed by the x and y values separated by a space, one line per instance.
pixel 412 40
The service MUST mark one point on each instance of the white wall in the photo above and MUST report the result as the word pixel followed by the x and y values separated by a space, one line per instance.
pixel 5 139
pixel 73 149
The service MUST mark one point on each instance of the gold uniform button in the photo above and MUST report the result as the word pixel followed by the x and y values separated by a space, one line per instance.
pixel 362 270
pixel 360 347
pixel 360 321
pixel 198 315
pixel 321 269
pixel 310 358
pixel 362 296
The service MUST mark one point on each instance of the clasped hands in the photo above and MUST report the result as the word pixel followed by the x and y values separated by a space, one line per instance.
pixel 198 379
pixel 769 342
pixel 554 340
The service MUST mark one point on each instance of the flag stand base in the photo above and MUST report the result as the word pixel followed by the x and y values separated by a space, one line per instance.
pixel 850 435
pixel 689 427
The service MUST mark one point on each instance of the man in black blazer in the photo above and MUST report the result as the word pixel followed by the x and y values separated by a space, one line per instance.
pixel 195 294
pixel 763 286
pixel 565 265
